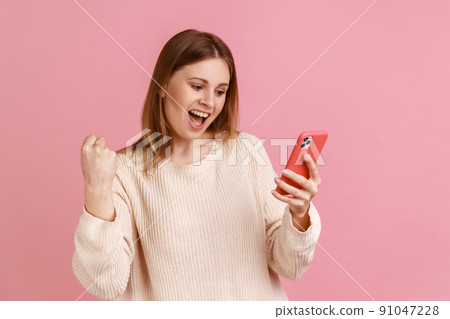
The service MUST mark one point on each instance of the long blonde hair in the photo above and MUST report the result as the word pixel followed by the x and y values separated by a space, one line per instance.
pixel 185 47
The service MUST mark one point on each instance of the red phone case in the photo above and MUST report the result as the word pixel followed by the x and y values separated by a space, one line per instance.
pixel 295 163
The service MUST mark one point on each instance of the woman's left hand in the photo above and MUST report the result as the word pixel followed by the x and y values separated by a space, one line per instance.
pixel 299 199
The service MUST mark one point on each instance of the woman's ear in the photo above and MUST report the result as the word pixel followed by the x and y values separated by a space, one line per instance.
pixel 162 92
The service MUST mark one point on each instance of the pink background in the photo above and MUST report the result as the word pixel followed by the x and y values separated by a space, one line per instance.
pixel 381 92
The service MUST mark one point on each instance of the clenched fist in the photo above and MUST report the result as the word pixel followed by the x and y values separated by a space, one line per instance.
pixel 99 163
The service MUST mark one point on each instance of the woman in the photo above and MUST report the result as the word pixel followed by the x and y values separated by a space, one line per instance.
pixel 191 217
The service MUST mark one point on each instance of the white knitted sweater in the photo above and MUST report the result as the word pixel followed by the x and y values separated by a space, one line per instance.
pixel 205 231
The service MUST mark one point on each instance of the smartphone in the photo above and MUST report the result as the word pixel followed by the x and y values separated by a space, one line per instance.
pixel 311 142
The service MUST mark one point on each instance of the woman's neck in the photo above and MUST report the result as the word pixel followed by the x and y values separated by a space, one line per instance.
pixel 190 151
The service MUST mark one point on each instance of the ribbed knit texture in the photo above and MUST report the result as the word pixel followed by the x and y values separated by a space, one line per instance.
pixel 205 231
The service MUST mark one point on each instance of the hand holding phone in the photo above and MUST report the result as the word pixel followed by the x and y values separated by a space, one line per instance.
pixel 311 142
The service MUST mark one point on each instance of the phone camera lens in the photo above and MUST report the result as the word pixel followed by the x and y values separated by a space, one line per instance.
pixel 303 145
pixel 307 143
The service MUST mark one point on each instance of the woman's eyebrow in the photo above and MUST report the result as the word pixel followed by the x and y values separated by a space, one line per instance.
pixel 205 81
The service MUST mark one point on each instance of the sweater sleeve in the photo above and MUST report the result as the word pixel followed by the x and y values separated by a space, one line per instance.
pixel 104 250
pixel 289 251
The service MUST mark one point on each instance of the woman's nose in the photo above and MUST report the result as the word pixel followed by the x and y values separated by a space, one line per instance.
pixel 208 98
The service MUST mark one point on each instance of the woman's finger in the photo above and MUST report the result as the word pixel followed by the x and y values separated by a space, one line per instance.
pixel 305 183
pixel 100 142
pixel 295 202
pixel 294 191
pixel 283 198
pixel 313 171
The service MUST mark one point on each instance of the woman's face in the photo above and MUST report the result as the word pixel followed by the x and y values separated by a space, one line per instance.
pixel 200 86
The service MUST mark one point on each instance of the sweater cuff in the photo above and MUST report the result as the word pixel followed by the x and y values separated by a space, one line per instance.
pixel 306 238
pixel 98 231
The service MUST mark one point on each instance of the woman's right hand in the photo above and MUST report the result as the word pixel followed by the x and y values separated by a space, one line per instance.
pixel 98 163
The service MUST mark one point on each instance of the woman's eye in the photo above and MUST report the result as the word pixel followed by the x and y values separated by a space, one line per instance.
pixel 198 87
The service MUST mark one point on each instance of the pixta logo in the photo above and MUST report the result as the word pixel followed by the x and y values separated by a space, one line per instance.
pixel 255 151
pixel 138 162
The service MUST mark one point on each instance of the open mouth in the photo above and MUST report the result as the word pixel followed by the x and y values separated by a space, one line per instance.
pixel 198 116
